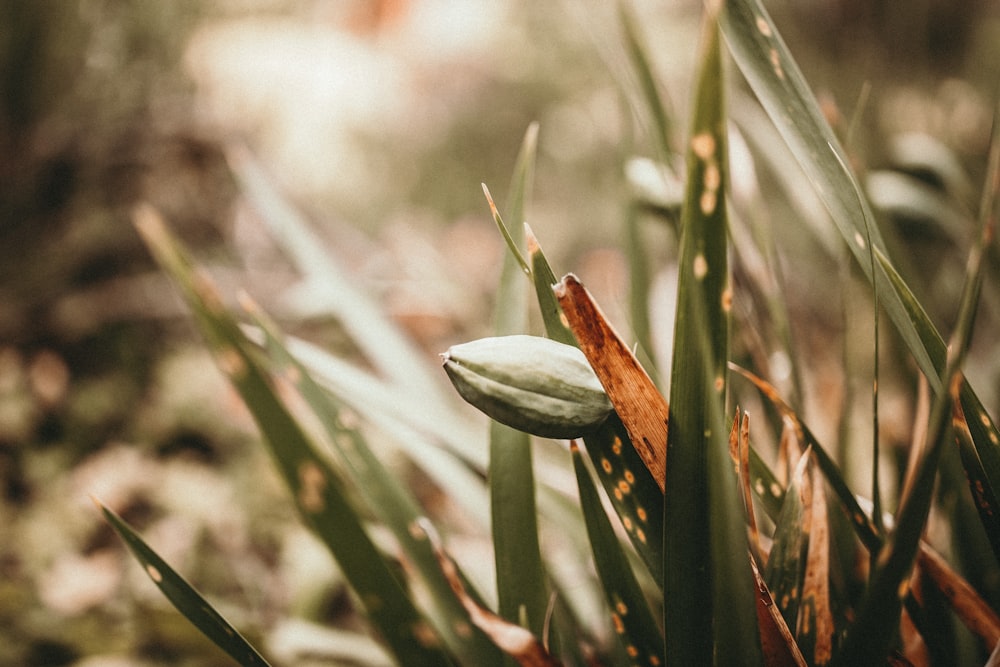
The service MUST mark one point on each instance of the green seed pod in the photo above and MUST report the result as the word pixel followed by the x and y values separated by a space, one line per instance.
pixel 530 383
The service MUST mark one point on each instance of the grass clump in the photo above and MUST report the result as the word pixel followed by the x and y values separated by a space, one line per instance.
pixel 718 550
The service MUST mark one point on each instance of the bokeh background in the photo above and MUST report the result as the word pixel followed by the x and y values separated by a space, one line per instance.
pixel 378 120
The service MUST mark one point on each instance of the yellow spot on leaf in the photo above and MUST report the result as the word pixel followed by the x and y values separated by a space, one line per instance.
pixel 618 494
pixel 775 489
pixel 154 574
pixel 632 651
pixel 860 240
pixel 617 622
pixel 606 465
pixel 700 266
pixel 727 300
pixel 707 201
pixel 629 477
pixel 616 446
pixel 776 63
pixel 624 486
pixel 641 513
pixel 703 145
pixel 231 362
pixel 763 26
pixel 312 484
pixel 641 535
pixel 712 177
pixel 627 522
pixel 621 608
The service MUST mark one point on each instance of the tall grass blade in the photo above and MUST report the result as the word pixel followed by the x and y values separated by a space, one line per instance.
pixel 661 118
pixel 520 573
pixel 184 597
pixel 708 582
pixel 631 617
pixel 318 490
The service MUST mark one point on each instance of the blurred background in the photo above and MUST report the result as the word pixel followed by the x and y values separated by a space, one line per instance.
pixel 379 121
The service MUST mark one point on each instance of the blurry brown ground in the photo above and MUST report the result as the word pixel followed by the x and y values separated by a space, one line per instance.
pixel 379 120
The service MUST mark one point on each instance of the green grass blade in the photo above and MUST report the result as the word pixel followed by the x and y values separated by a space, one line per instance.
pixel 184 597
pixel 662 125
pixel 318 491
pixel 329 288
pixel 632 619
pixel 391 503
pixel 707 576
pixel 521 580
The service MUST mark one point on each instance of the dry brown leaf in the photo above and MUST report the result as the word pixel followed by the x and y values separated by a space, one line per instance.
pixel 639 404
pixel 978 616
pixel 776 640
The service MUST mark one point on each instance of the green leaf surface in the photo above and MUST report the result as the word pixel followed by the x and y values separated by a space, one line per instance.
pixel 632 619
pixel 318 490
pixel 184 597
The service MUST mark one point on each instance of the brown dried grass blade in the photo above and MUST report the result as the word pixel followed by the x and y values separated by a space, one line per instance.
pixel 641 407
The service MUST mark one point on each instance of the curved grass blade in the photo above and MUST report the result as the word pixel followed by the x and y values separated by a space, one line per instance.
pixel 183 596
pixel 391 503
pixel 632 620
pixel 318 490
pixel 517 642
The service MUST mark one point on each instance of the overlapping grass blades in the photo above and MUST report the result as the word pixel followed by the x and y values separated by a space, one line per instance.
pixel 767 65
pixel 318 491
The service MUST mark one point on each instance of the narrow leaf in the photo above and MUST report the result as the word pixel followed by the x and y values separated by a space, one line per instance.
pixel 183 596
pixel 521 582
pixel 632 620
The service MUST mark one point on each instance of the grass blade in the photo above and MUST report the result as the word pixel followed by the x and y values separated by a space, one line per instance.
pixel 318 491
pixel 635 494
pixel 521 581
pixel 633 622
pixel 184 597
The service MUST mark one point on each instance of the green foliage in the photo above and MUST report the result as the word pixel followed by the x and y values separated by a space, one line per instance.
pixel 680 565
